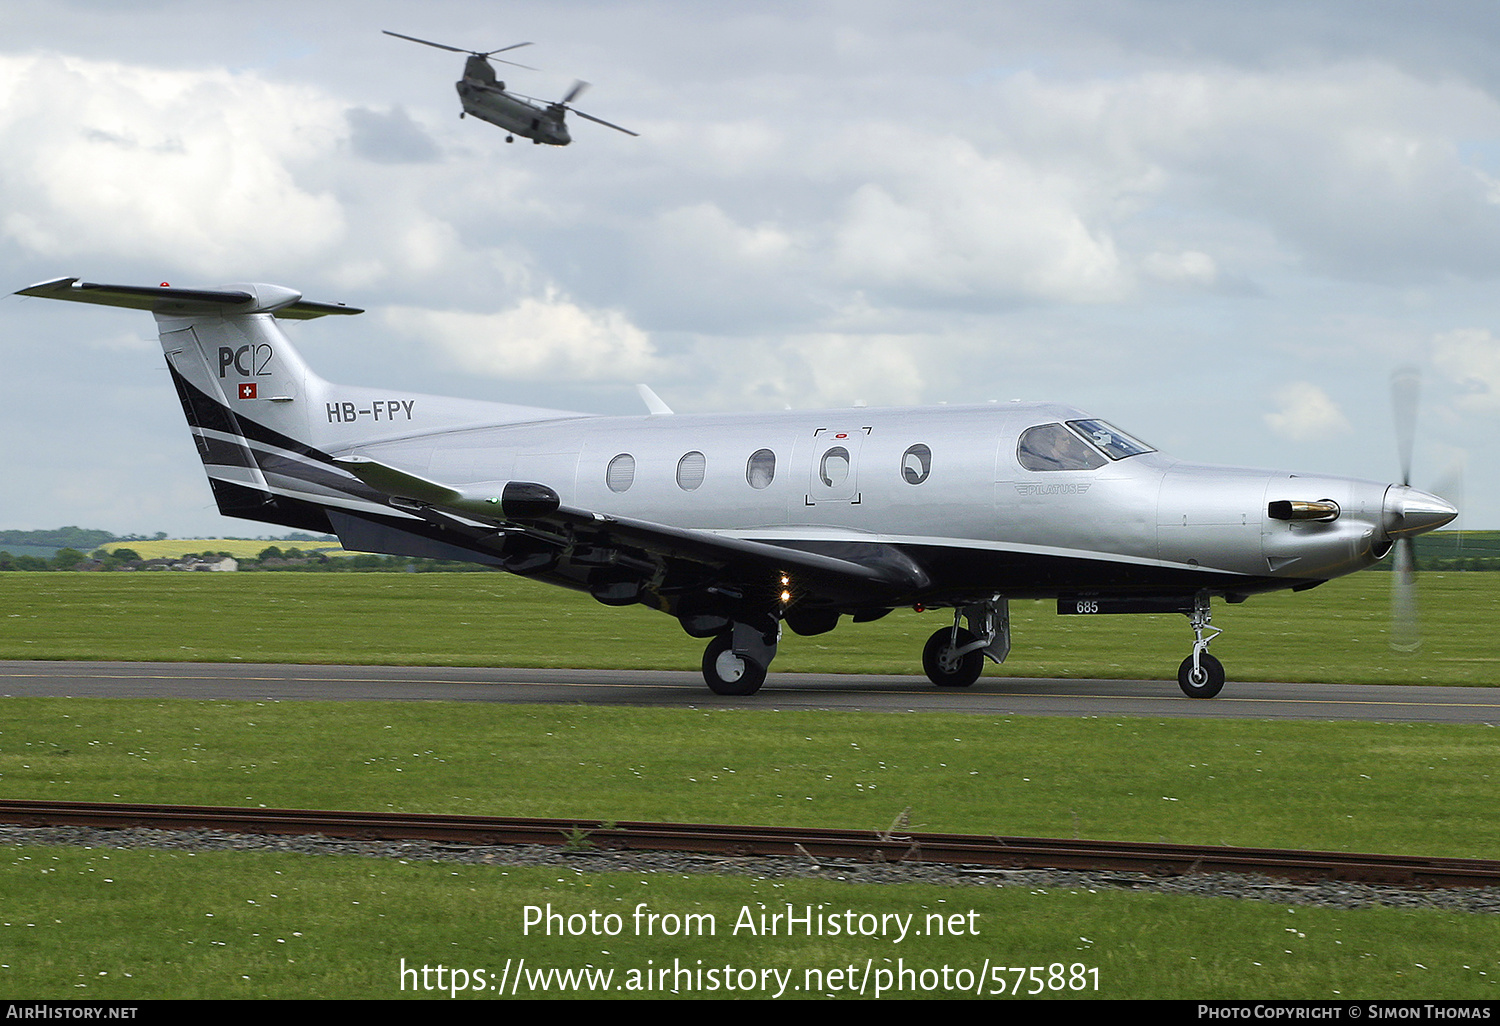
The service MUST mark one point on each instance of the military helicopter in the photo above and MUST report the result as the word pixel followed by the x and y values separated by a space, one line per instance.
pixel 485 96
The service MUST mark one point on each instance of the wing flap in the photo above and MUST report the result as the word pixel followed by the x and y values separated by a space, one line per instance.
pixel 529 505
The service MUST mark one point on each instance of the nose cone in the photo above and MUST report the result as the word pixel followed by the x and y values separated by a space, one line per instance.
pixel 1409 512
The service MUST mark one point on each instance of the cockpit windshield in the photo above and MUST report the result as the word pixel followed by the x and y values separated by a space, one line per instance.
pixel 1110 440
pixel 1076 447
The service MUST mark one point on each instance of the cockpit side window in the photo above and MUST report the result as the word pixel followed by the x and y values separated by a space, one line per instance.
pixel 1113 442
pixel 1054 447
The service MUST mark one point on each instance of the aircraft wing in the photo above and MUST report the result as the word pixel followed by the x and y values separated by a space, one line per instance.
pixel 860 573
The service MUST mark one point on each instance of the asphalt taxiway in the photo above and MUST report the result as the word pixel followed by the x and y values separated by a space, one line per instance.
pixel 992 695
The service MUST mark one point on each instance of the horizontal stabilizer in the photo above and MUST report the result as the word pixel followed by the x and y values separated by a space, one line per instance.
pixel 283 302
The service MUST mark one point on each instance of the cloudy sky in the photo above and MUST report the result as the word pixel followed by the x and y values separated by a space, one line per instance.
pixel 1221 226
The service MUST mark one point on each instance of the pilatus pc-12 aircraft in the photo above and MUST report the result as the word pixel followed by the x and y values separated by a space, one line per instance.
pixel 738 523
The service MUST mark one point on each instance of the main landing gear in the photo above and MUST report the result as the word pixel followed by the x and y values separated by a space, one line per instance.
pixel 1201 675
pixel 735 661
pixel 954 657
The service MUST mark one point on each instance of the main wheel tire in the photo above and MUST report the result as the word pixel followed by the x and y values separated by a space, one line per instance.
pixel 1207 682
pixel 944 668
pixel 728 673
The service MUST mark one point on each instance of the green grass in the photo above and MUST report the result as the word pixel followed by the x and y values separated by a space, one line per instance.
pixel 253 924
pixel 1336 633
pixel 111 924
pixel 1410 788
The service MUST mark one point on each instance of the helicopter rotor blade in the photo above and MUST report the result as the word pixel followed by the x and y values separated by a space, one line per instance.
pixel 502 60
pixel 578 88
pixel 601 121
pixel 427 42
pixel 472 53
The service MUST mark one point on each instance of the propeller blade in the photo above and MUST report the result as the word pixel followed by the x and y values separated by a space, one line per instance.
pixel 1406 390
pixel 426 42
pixel 573 94
pixel 601 121
pixel 1451 485
pixel 1406 635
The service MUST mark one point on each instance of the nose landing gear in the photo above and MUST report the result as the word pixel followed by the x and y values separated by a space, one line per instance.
pixel 1201 675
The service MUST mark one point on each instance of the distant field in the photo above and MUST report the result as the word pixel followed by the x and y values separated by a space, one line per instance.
pixel 239 548
pixel 1335 633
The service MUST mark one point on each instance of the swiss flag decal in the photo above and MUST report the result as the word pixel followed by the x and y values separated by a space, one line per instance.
pixel 247 390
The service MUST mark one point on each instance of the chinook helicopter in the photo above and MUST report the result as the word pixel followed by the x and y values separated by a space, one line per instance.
pixel 485 96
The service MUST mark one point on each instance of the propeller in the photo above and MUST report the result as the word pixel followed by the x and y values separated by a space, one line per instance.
pixel 1408 513
pixel 473 53
pixel 1406 634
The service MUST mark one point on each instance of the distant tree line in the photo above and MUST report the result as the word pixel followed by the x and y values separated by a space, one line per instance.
pixel 79 538
pixel 271 558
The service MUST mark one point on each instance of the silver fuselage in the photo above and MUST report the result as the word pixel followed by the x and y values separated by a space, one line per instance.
pixel 1144 523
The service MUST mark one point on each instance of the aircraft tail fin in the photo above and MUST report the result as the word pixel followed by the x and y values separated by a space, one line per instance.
pixel 267 428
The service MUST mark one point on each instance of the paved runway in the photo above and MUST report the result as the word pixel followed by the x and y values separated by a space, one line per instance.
pixel 992 695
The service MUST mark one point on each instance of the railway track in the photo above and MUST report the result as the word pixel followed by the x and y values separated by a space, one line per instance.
pixel 808 842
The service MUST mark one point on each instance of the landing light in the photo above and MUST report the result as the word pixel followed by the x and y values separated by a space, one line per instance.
pixel 1324 510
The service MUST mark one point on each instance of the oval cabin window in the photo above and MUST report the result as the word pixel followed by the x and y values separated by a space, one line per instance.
pixel 760 469
pixel 690 471
pixel 834 468
pixel 620 474
pixel 916 464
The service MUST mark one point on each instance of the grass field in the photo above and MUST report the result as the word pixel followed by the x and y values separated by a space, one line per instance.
pixel 76 923
pixel 249 925
pixel 1335 633
pixel 239 548
pixel 106 923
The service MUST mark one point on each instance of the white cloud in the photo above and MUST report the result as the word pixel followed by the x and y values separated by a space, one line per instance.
pixel 190 168
pixel 1471 358
pixel 1355 166
pixel 1307 414
pixel 1184 268
pixel 538 339
pixel 960 222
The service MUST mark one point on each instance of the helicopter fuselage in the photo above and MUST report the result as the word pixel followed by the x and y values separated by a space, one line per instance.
pixel 489 101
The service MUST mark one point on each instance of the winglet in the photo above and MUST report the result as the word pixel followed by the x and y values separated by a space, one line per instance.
pixel 653 401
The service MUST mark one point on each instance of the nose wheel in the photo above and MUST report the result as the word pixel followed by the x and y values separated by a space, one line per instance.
pixel 1203 680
